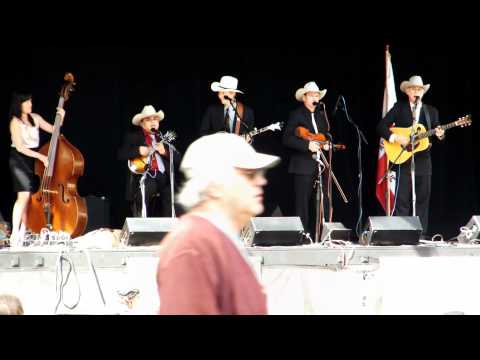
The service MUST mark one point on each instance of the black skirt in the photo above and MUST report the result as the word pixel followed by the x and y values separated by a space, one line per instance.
pixel 22 168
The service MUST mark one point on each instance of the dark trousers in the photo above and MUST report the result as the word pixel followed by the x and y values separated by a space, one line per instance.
pixel 157 197
pixel 305 195
pixel 404 197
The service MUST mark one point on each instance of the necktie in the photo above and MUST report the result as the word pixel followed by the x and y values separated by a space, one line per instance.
pixel 416 114
pixel 314 123
pixel 229 117
pixel 157 162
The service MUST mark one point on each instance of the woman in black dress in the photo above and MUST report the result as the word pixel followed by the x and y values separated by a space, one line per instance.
pixel 25 133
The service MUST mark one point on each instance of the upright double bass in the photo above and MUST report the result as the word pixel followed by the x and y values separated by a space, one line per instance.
pixel 57 204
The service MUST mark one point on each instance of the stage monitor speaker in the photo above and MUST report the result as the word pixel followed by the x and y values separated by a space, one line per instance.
pixel 145 231
pixel 335 231
pixel 273 231
pixel 469 233
pixel 392 230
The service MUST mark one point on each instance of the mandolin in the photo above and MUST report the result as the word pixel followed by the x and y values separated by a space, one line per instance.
pixel 319 138
pixel 139 165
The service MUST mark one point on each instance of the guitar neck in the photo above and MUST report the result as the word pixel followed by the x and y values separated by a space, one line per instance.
pixel 258 131
pixel 432 131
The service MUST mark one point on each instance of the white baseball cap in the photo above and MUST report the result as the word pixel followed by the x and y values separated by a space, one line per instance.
pixel 223 150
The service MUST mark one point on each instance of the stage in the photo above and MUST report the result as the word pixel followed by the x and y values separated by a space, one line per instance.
pixel 435 278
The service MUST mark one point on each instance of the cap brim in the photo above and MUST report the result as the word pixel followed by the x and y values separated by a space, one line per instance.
pixel 258 161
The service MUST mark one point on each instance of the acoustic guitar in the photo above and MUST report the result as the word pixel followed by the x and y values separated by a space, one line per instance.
pixel 139 165
pixel 398 154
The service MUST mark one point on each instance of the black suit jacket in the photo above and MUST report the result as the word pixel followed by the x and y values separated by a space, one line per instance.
pixel 129 150
pixel 301 161
pixel 214 120
pixel 401 115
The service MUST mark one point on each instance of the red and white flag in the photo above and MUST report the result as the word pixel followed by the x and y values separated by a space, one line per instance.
pixel 384 183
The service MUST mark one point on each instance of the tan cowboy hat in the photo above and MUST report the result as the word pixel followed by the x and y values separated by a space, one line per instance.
pixel 414 81
pixel 227 83
pixel 309 87
pixel 147 111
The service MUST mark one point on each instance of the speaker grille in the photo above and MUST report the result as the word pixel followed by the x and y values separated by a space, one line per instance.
pixel 392 230
pixel 271 231
pixel 146 231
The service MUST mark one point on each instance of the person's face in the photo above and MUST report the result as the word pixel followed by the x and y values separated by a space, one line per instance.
pixel 244 194
pixel 26 107
pixel 413 91
pixel 230 94
pixel 310 97
pixel 150 122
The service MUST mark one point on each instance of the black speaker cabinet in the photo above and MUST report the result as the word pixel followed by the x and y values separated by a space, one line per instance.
pixel 392 230
pixel 146 231
pixel 273 231
pixel 335 231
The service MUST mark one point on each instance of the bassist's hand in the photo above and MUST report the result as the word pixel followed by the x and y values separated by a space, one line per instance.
pixel 61 112
pixel 248 138
pixel 43 159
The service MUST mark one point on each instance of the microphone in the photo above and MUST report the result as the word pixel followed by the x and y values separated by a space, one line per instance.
pixel 315 103
pixel 337 105
pixel 227 98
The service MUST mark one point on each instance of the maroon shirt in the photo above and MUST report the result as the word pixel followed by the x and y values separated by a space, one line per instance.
pixel 202 272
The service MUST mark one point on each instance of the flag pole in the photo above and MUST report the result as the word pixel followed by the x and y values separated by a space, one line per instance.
pixel 387 178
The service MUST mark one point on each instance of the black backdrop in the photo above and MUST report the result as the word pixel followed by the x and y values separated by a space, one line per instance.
pixel 115 83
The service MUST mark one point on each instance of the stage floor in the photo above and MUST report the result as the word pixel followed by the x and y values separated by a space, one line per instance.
pixel 311 279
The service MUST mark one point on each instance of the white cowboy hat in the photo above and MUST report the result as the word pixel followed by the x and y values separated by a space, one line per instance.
pixel 227 83
pixel 309 87
pixel 147 111
pixel 222 150
pixel 414 81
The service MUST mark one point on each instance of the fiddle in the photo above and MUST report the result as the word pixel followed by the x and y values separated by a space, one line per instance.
pixel 319 138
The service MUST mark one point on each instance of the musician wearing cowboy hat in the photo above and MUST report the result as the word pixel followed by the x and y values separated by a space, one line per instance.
pixel 222 116
pixel 402 115
pixel 304 168
pixel 142 142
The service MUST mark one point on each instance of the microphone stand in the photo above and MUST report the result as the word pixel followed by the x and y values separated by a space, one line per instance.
pixel 171 149
pixel 320 219
pixel 320 158
pixel 361 138
pixel 142 185
pixel 412 163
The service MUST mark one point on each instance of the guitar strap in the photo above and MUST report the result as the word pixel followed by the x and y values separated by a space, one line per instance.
pixel 428 120
pixel 427 117
pixel 240 111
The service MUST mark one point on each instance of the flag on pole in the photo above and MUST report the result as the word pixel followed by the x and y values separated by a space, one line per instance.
pixel 386 185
